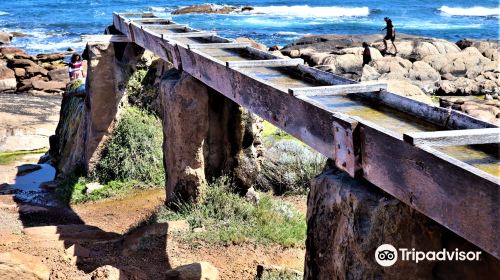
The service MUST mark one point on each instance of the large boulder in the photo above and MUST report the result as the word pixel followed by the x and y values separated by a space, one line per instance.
pixel 50 86
pixel 17 265
pixel 460 86
pixel 252 43
pixel 5 38
pixel 59 75
pixel 348 219
pixel 7 80
pixel 205 9
pixel 194 271
pixel 50 57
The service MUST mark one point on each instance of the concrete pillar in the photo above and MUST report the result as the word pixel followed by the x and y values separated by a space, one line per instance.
pixel 110 65
pixel 205 136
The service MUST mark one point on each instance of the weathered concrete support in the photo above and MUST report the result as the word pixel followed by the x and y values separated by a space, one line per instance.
pixel 347 219
pixel 110 67
pixel 185 127
pixel 234 142
pixel 86 123
pixel 205 136
pixel 102 100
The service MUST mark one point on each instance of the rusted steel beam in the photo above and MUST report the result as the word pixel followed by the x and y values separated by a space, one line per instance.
pixel 456 195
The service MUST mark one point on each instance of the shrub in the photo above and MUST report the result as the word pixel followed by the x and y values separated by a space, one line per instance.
pixel 288 167
pixel 140 89
pixel 229 218
pixel 134 151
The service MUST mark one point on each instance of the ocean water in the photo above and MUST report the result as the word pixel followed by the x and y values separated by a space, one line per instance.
pixel 55 25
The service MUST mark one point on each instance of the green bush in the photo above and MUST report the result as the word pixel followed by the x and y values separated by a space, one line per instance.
pixel 134 151
pixel 230 219
pixel 140 89
pixel 288 168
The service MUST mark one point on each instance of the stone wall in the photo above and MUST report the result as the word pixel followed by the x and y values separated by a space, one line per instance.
pixel 348 219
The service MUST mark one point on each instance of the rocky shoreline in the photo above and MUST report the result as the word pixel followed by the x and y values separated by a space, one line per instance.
pixel 422 68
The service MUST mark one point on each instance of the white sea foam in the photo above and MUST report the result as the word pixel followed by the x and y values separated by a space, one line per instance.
pixel 471 11
pixel 157 9
pixel 425 25
pixel 314 12
pixel 43 46
pixel 2 13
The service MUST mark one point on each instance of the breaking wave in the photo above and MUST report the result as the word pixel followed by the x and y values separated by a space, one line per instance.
pixel 308 11
pixel 472 11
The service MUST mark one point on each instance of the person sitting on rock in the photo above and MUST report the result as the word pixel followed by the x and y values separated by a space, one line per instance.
pixel 75 67
pixel 367 56
pixel 391 34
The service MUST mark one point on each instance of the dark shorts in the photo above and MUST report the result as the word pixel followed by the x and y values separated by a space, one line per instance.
pixel 390 37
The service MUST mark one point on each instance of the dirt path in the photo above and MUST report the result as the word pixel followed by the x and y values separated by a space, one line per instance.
pixel 105 223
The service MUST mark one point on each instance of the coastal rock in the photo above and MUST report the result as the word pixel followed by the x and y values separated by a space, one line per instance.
pixel 108 272
pixel 424 76
pixel 21 63
pixel 194 271
pixel 489 112
pixel 7 80
pixel 50 57
pixel 35 70
pixel 252 43
pixel 406 88
pixel 348 219
pixel 50 86
pixel 329 42
pixel 27 168
pixel 5 38
pixel 59 75
pixel 11 51
pixel 17 265
pixel 460 86
pixel 205 9
pixel 20 72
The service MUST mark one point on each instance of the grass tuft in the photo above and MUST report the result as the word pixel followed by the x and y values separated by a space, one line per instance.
pixel 9 157
pixel 288 168
pixel 228 218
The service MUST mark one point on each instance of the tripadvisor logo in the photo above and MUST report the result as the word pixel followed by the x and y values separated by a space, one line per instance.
pixel 387 255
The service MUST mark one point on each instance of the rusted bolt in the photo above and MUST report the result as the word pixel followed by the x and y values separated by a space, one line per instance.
pixel 348 152
pixel 346 133
pixel 338 146
pixel 344 164
pixel 337 128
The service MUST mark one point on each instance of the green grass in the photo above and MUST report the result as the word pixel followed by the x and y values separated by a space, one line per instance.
pixel 280 275
pixel 73 190
pixel 134 151
pixel 228 218
pixel 272 133
pixel 10 157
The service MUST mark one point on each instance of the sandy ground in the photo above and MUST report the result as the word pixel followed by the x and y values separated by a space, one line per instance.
pixel 108 244
pixel 27 121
